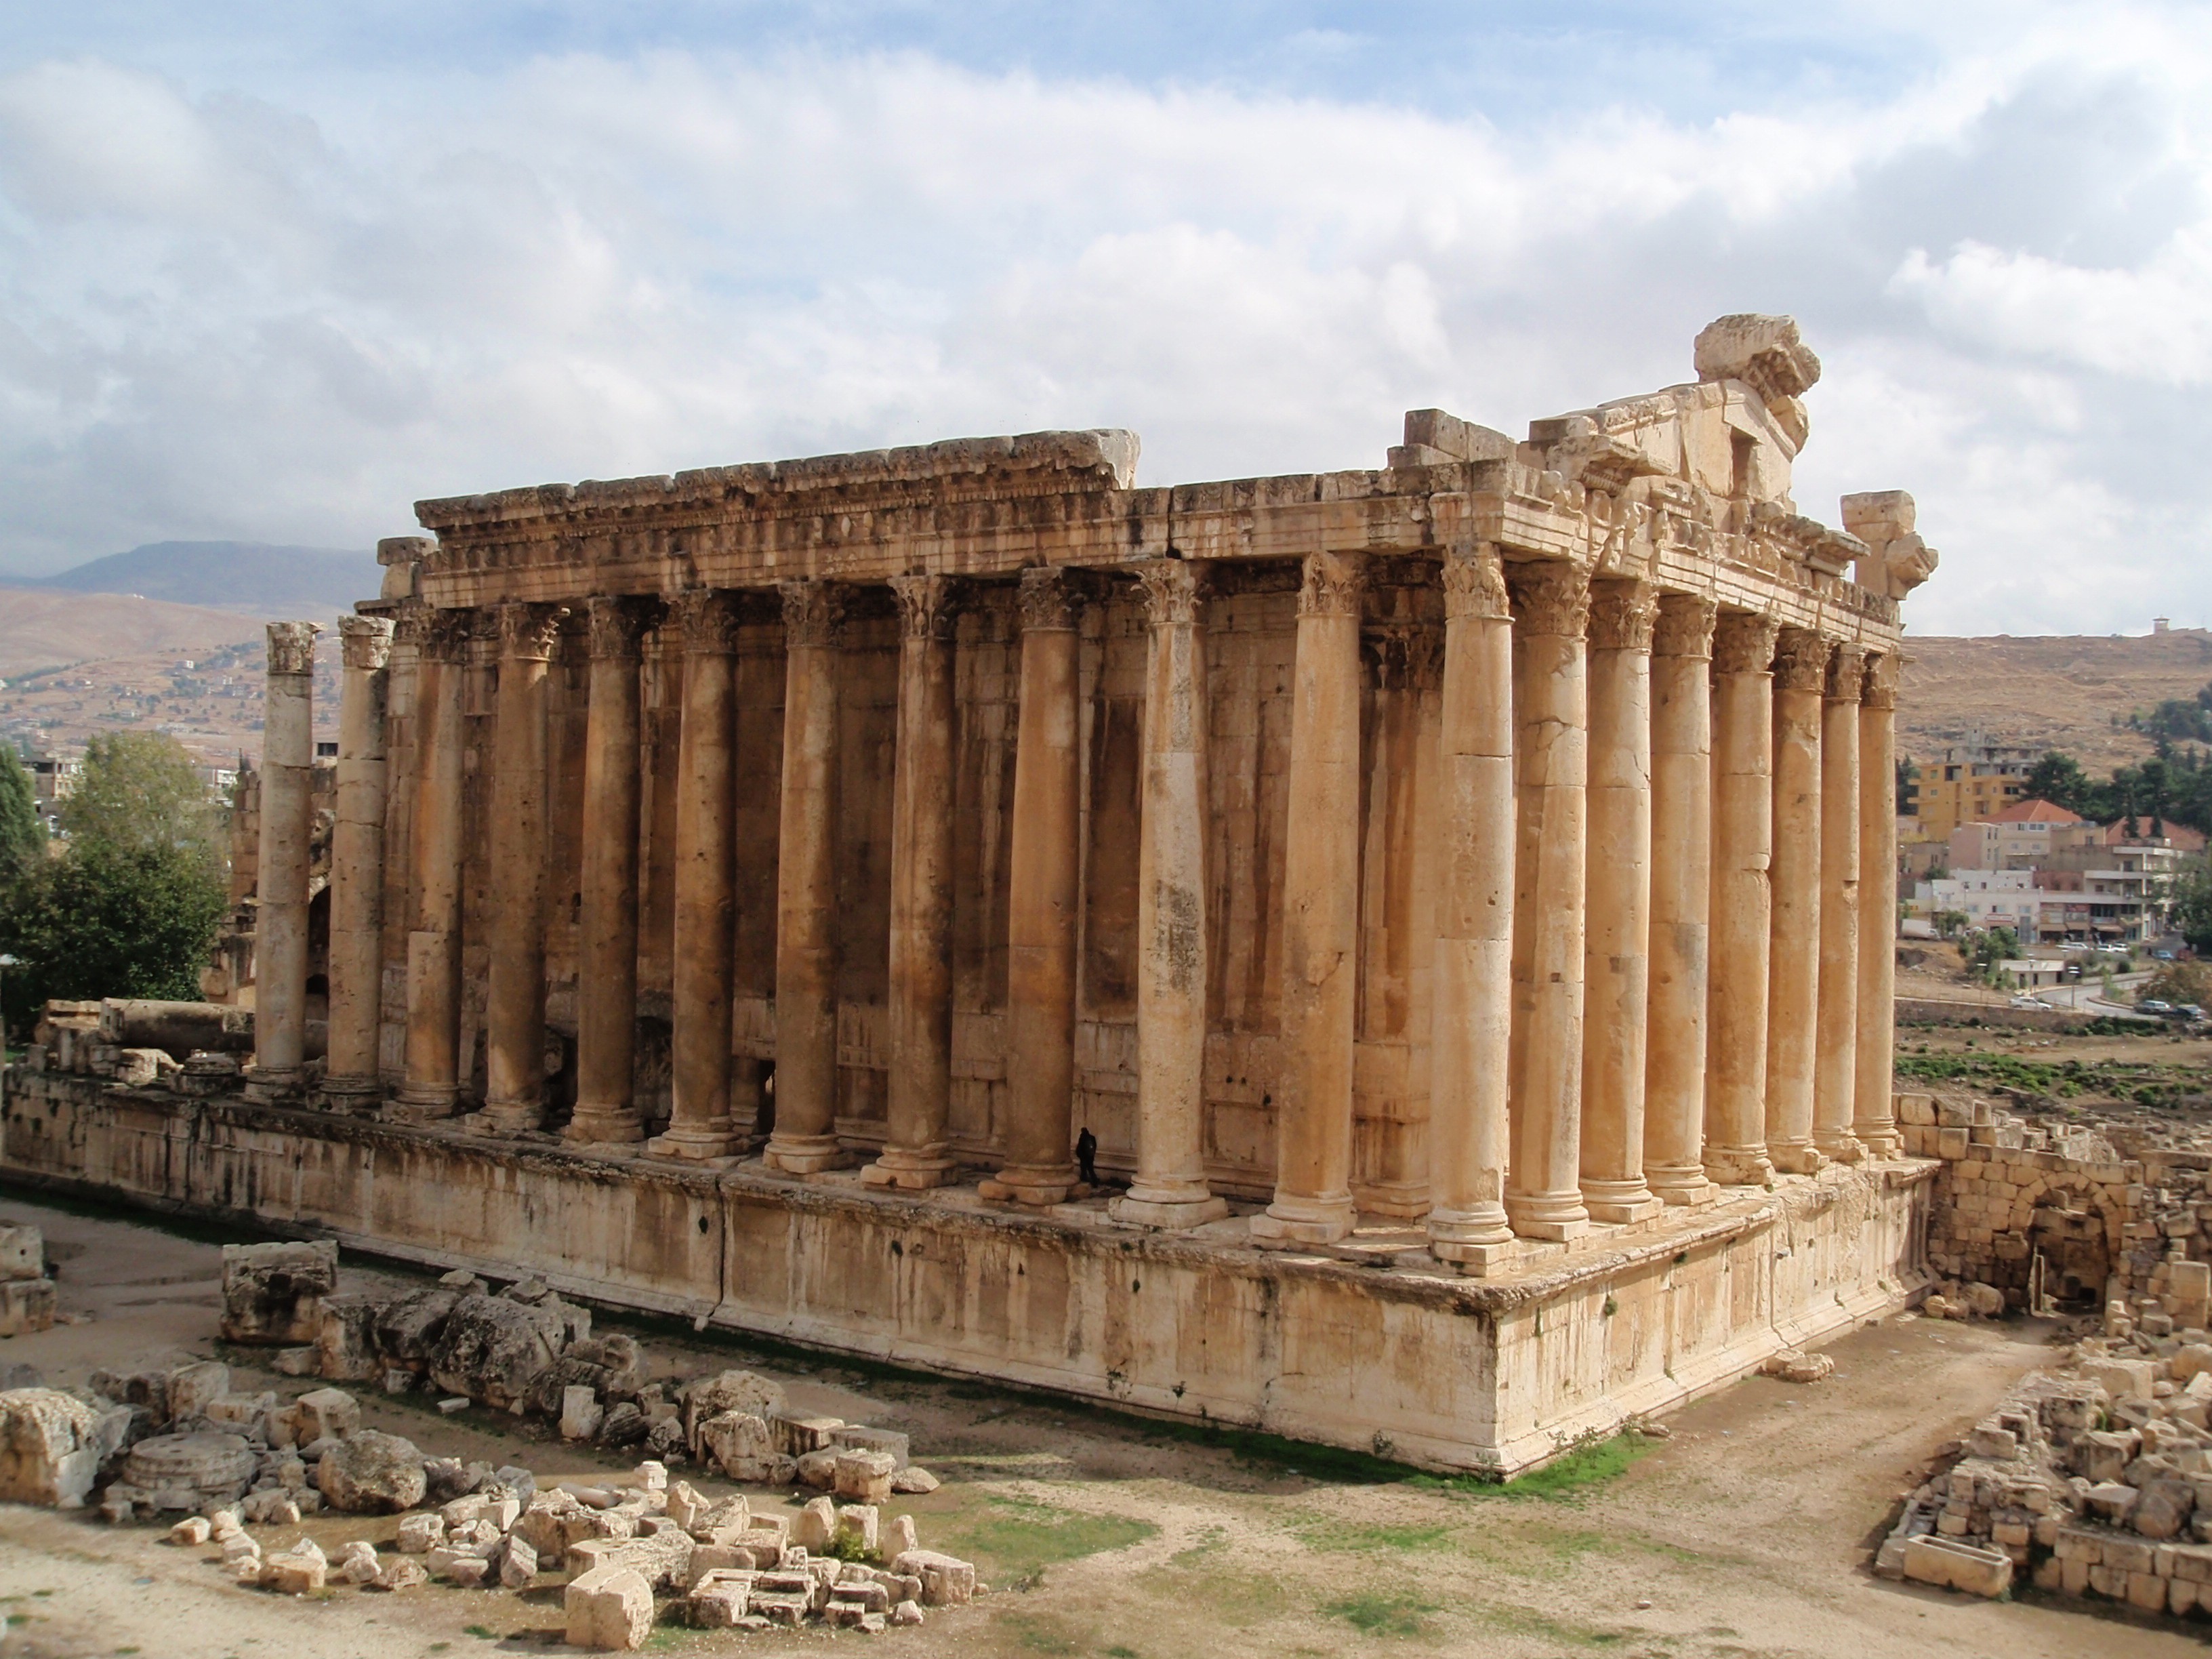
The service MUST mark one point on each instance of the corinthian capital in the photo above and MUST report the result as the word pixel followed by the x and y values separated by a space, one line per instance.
pixel 527 631
pixel 1879 690
pixel 1743 643
pixel 1551 598
pixel 1846 674
pixel 925 609
pixel 1474 584
pixel 291 647
pixel 1049 601
pixel 615 625
pixel 813 612
pixel 1333 584
pixel 1686 625
pixel 1801 660
pixel 708 622
pixel 1623 615
pixel 367 641
pixel 1174 590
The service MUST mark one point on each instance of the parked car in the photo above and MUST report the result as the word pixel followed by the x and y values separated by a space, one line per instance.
pixel 2028 1002
pixel 2163 955
pixel 2190 1011
pixel 2153 1006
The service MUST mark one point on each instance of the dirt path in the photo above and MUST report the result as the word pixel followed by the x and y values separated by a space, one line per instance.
pixel 1114 1537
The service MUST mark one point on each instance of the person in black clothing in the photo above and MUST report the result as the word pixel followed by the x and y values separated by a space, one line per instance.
pixel 1086 1152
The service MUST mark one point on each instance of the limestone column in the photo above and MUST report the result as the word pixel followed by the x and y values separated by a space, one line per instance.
pixel 1470 1048
pixel 1874 1117
pixel 1800 675
pixel 804 1138
pixel 606 965
pixel 1682 883
pixel 1551 708
pixel 1320 913
pixel 288 822
pixel 917 1151
pixel 432 1084
pixel 1616 952
pixel 1743 830
pixel 1170 1188
pixel 356 956
pixel 1833 1103
pixel 705 940
pixel 1044 895
pixel 514 989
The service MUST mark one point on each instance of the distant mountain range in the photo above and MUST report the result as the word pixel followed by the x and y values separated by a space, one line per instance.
pixel 253 579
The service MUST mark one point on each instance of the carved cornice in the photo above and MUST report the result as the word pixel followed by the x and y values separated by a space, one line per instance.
pixel 1623 615
pixel 1879 690
pixel 813 614
pixel 1801 660
pixel 1551 599
pixel 618 627
pixel 1685 623
pixel 366 641
pixel 1743 643
pixel 291 647
pixel 708 620
pixel 926 608
pixel 1332 585
pixel 1174 590
pixel 1049 601
pixel 1474 584
pixel 1846 674
pixel 527 632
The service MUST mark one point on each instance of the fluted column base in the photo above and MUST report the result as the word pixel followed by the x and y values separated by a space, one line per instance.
pixel 1680 1184
pixel 911 1168
pixel 1619 1202
pixel 1030 1183
pixel 1739 1166
pixel 1474 1239
pixel 1170 1206
pixel 804 1155
pixel 698 1144
pixel 590 1125
pixel 1556 1216
pixel 1296 1220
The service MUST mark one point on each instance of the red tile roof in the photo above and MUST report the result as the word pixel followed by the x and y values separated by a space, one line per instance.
pixel 2035 811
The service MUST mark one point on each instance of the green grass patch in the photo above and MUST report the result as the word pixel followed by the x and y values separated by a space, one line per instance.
pixel 1328 1534
pixel 1591 1464
pixel 1376 1614
pixel 481 1632
pixel 1015 1539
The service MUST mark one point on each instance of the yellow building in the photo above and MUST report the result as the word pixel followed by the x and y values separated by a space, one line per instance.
pixel 1970 784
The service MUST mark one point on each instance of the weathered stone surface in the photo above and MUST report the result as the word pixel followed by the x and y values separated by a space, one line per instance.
pixel 299 1571
pixel 372 1473
pixel 865 1477
pixel 494 1350
pixel 946 1581
pixel 273 1294
pixel 408 1331
pixel 213 1466
pixel 740 1442
pixel 28 1305
pixel 402 1573
pixel 609 1609
pixel 729 1391
pixel 612 1367
pixel 22 1252
pixel 345 1345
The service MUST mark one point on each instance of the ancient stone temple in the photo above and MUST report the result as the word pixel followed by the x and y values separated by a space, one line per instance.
pixel 1457 897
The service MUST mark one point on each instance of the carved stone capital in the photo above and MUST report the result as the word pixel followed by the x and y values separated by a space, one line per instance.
pixel 1685 628
pixel 411 627
pixel 1743 643
pixel 813 613
pixel 1801 660
pixel 1174 590
pixel 926 608
pixel 366 641
pixel 1551 598
pixel 1332 585
pixel 527 632
pixel 1049 601
pixel 1846 674
pixel 617 626
pixel 291 647
pixel 1623 615
pixel 1474 584
pixel 447 634
pixel 708 620
pixel 1879 687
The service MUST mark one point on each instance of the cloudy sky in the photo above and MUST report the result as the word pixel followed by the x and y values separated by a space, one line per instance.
pixel 272 271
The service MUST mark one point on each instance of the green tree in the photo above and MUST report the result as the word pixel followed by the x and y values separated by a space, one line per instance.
pixel 23 836
pixel 141 790
pixel 1989 947
pixel 109 921
pixel 2192 907
pixel 2059 780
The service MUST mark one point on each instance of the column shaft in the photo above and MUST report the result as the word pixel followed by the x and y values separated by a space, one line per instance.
pixel 1616 956
pixel 1321 914
pixel 432 1084
pixel 705 939
pixel 356 957
pixel 607 968
pixel 917 1150
pixel 288 816
pixel 1832 1104
pixel 1743 819
pixel 1470 1046
pixel 1800 674
pixel 1042 899
pixel 804 1138
pixel 1551 704
pixel 514 989
pixel 1874 1114
pixel 1681 886
pixel 1170 1189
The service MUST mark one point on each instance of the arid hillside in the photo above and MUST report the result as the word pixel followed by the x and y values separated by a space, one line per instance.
pixel 43 630
pixel 2069 692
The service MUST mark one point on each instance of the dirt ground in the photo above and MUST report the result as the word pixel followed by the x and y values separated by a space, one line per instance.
pixel 1746 1533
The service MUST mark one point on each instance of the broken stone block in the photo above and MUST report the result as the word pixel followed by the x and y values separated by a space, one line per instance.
pixel 2123 1379
pixel 581 1414
pixel 795 1436
pixel 818 1469
pixel 345 1343
pixel 857 1527
pixel 272 1294
pixel 730 1391
pixel 28 1305
pixel 192 1531
pixel 852 1436
pixel 816 1526
pixel 357 1563
pixel 296 1362
pixel 467 1571
pixel 623 1425
pixel 324 1413
pixel 22 1253
pixel 946 1581
pixel 609 1608
pixel 1950 1564
pixel 420 1534
pixel 1796 1365
pixel 738 1441
pixel 2111 1500
pixel 906 1613
pixel 726 1523
pixel 518 1565
pixel 405 1573
pixel 612 1367
pixel 865 1477
pixel 274 1508
pixel 299 1571
pixel 900 1538
pixel 494 1350
pixel 398 1380
pixel 372 1473
pixel 2162 1510
pixel 718 1598
pixel 913 1481
pixel 192 1388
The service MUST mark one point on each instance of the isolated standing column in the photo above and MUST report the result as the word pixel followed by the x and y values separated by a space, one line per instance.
pixel 1616 960
pixel 606 969
pixel 357 958
pixel 514 991
pixel 1874 1114
pixel 287 817
pixel 1800 675
pixel 1833 1102
pixel 1743 836
pixel 804 1138
pixel 1551 708
pixel 917 1150
pixel 1043 893
pixel 1170 1188
pixel 431 1088
pixel 705 940
pixel 1320 913
pixel 1473 1011
pixel 1681 884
